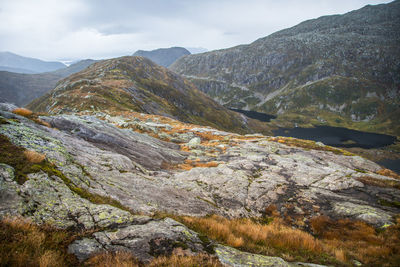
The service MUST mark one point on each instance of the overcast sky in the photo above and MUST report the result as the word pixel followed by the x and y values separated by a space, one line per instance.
pixel 77 29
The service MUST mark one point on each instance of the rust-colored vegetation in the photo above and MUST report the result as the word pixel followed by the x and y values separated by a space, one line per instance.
pixel 26 244
pixel 334 242
pixel 379 182
pixel 360 241
pixel 30 115
pixel 308 144
pixel 389 173
pixel 33 156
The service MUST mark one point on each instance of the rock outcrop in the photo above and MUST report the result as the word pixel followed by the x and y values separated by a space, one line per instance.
pixel 101 171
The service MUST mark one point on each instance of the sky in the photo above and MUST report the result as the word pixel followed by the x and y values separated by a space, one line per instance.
pixel 78 29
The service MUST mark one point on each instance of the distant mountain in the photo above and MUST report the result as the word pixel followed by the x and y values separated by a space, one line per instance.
pixel 341 70
pixel 163 56
pixel 20 64
pixel 21 89
pixel 197 50
pixel 129 84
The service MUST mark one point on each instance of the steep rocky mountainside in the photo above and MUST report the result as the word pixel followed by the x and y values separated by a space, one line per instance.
pixel 12 62
pixel 163 56
pixel 21 89
pixel 345 68
pixel 137 84
pixel 112 174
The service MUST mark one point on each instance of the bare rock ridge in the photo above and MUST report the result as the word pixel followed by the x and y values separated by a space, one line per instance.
pixel 124 159
pixel 343 67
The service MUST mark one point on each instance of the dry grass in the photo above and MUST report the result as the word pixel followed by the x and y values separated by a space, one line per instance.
pixel 389 173
pixel 270 239
pixel 22 112
pixel 378 182
pixel 336 242
pixel 30 115
pixel 186 261
pixel 308 144
pixel 33 156
pixel 189 164
pixel 118 258
pixel 125 259
pixel 357 240
pixel 26 244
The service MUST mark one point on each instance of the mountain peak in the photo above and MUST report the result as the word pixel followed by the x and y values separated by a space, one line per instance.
pixel 163 56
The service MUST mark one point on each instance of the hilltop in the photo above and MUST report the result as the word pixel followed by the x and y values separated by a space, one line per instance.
pixel 129 84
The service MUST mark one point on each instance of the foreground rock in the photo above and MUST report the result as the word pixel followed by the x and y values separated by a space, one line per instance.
pixel 247 175
pixel 101 169
pixel 145 240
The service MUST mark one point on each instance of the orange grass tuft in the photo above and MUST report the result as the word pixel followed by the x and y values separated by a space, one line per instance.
pixel 22 112
pixel 33 156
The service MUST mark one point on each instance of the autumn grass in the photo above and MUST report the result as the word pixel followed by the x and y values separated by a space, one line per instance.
pixel 308 144
pixel 360 241
pixel 30 115
pixel 33 156
pixel 379 182
pixel 330 242
pixel 22 112
pixel 26 244
pixel 275 238
pixel 126 259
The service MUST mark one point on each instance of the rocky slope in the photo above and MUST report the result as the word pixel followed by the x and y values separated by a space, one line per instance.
pixel 163 56
pixel 111 174
pixel 137 84
pixel 12 62
pixel 345 68
pixel 21 89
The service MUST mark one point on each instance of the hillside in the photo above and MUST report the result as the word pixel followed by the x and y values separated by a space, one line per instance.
pixel 344 68
pixel 21 89
pixel 20 64
pixel 163 56
pixel 129 84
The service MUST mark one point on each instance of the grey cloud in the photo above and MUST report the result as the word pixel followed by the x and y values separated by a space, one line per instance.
pixel 52 29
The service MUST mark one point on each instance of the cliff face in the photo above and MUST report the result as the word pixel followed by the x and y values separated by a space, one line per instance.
pixel 137 84
pixel 344 67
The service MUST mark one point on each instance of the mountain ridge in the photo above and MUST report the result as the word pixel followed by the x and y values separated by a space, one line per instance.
pixel 31 65
pixel 309 69
pixel 163 56
pixel 137 84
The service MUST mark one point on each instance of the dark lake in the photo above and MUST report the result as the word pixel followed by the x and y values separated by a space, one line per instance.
pixel 338 136
pixel 392 164
pixel 255 115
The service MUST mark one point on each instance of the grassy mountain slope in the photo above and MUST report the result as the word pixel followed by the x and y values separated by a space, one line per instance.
pixel 138 84
pixel 345 68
